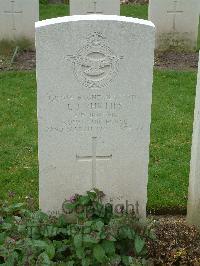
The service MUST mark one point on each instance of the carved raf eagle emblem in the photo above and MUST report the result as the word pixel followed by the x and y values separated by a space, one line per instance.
pixel 95 65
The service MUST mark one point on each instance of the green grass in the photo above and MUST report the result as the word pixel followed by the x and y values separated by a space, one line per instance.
pixel 171 131
pixel 172 116
pixel 51 11
pixel 137 11
pixel 18 131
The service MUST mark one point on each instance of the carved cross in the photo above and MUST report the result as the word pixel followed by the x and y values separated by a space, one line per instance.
pixel 95 9
pixel 174 12
pixel 13 13
pixel 94 158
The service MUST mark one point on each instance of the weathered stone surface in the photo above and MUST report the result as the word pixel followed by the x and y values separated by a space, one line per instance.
pixel 94 108
pixel 86 7
pixel 176 23
pixel 193 215
pixel 17 19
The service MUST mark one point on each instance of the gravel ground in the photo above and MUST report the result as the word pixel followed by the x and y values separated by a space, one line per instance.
pixel 25 60
pixel 177 243
pixel 177 60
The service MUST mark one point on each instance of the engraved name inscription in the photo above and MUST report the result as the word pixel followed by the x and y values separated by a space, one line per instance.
pixel 92 113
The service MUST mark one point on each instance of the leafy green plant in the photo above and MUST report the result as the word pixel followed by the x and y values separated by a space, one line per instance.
pixel 96 236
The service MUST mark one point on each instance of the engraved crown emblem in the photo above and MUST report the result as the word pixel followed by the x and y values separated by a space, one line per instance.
pixel 95 65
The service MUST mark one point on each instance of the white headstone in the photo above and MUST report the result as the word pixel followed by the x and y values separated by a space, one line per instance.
pixel 17 19
pixel 176 23
pixel 94 107
pixel 193 212
pixel 87 7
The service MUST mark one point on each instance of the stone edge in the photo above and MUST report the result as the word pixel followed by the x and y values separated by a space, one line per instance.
pixel 76 18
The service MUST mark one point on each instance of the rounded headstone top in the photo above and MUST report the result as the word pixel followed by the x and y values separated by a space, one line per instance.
pixel 95 17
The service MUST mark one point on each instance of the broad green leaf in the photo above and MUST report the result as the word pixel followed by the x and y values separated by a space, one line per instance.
pixel 99 253
pixel 3 251
pixel 84 200
pixel 115 260
pixel 88 223
pixel 35 232
pixel 80 252
pixel 87 230
pixel 99 225
pixel 86 262
pixel 68 207
pixel 18 206
pixel 12 258
pixel 111 238
pixel 139 244
pixel 50 250
pixel 127 260
pixel 21 228
pixel 63 231
pixel 78 240
pixel 50 231
pixel 43 260
pixel 70 263
pixel 39 244
pixel 6 226
pixel 62 220
pixel 99 209
pixel 92 195
pixel 152 235
pixel 38 217
pixel 90 239
pixel 109 247
pixel 127 233
pixel 2 238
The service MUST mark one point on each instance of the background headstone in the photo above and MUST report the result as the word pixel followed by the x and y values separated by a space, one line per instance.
pixel 94 108
pixel 176 23
pixel 86 7
pixel 17 19
pixel 193 212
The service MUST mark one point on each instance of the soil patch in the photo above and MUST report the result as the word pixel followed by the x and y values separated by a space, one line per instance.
pixel 177 60
pixel 25 60
pixel 140 2
pixel 168 211
pixel 177 243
